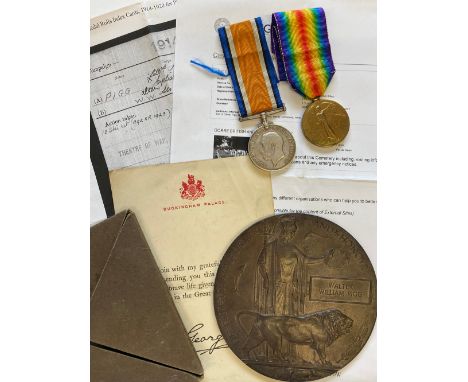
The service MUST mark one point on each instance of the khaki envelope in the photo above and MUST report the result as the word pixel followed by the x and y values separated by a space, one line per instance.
pixel 136 331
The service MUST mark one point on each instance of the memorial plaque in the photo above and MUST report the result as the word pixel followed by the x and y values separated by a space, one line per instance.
pixel 295 297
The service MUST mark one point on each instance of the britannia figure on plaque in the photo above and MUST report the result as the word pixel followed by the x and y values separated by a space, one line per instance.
pixel 278 287
pixel 279 277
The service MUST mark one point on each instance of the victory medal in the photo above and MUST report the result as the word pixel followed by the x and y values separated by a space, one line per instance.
pixel 300 42
pixel 255 84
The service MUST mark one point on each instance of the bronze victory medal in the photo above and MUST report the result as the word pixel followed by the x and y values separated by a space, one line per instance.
pixel 325 123
pixel 271 147
pixel 295 297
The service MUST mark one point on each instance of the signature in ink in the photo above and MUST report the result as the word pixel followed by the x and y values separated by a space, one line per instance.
pixel 156 73
pixel 212 343
pixel 160 75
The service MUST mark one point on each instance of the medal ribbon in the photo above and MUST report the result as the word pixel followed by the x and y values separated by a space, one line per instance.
pixel 299 39
pixel 251 67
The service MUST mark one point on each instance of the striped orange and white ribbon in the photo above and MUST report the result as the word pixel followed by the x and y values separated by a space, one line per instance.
pixel 250 66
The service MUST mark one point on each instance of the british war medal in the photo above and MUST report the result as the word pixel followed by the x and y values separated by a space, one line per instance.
pixel 255 84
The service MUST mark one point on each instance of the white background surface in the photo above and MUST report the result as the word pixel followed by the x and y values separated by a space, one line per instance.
pixel 99 7
pixel 44 191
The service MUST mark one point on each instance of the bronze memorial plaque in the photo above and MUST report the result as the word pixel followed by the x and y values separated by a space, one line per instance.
pixel 295 297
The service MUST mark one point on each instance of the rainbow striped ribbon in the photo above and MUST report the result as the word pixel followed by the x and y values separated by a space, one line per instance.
pixel 300 41
pixel 251 67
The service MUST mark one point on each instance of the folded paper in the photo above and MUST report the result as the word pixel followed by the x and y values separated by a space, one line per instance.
pixel 136 331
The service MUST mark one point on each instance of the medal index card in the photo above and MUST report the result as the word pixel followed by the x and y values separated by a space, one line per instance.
pixel 131 94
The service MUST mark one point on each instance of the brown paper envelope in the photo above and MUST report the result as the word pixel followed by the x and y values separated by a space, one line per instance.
pixel 107 366
pixel 136 331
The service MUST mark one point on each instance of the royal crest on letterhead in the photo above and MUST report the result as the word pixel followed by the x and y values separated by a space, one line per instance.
pixel 193 189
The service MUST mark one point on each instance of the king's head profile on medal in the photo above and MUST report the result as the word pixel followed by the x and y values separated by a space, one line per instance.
pixel 271 147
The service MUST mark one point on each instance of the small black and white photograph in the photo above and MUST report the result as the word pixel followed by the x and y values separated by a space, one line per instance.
pixel 227 146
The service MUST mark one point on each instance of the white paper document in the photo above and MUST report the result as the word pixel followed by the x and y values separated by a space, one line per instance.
pixel 132 70
pixel 353 206
pixel 205 124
